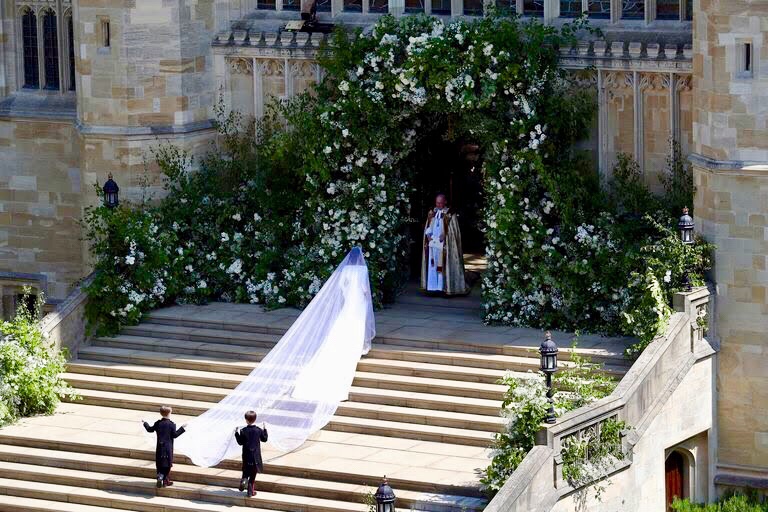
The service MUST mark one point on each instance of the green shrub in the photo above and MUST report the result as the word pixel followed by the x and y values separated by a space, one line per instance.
pixel 733 503
pixel 30 368
pixel 525 407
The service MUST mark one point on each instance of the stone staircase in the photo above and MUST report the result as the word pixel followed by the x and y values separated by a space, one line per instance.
pixel 423 410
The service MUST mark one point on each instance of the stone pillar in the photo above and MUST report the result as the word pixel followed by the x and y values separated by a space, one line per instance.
pixel 731 210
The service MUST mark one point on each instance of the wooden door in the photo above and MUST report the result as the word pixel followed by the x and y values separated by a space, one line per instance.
pixel 673 476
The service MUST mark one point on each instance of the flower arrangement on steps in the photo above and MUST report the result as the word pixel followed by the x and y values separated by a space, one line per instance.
pixel 268 213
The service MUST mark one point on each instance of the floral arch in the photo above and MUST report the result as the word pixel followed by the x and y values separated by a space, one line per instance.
pixel 268 215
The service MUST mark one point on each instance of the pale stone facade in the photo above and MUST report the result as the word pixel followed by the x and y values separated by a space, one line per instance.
pixel 130 75
pixel 730 158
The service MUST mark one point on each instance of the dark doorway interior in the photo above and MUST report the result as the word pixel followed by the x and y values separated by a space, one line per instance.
pixel 454 169
pixel 674 475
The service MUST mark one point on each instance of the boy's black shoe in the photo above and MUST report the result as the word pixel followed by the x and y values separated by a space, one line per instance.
pixel 160 481
pixel 243 483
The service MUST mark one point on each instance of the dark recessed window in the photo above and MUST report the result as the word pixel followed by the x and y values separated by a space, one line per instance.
pixel 414 6
pixel 599 9
pixel 106 33
pixel 667 10
pixel 379 6
pixel 71 31
pixel 533 7
pixel 633 9
pixel 29 36
pixel 50 51
pixel 353 5
pixel 268 5
pixel 473 7
pixel 441 6
pixel 570 8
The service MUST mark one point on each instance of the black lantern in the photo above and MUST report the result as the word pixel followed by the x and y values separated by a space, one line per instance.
pixel 685 225
pixel 548 351
pixel 385 497
pixel 110 193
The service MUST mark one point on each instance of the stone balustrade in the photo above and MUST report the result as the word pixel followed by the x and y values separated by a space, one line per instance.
pixel 65 327
pixel 538 484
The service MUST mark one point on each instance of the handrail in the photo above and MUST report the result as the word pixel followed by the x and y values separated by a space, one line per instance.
pixel 65 326
pixel 637 398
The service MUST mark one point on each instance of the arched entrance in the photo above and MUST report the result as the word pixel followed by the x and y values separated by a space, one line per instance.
pixel 675 477
pixel 453 168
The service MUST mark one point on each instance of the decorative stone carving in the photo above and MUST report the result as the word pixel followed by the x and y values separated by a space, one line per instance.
pixel 682 83
pixel 618 80
pixel 240 66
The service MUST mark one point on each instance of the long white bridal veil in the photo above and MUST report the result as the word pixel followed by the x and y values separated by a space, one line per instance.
pixel 297 387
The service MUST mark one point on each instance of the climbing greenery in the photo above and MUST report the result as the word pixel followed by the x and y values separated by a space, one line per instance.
pixel 30 367
pixel 268 213
pixel 525 407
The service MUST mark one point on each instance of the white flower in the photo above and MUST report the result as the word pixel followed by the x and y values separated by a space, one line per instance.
pixel 327 150
pixel 236 267
pixel 668 276
pixel 344 86
pixel 345 132
pixel 360 71
pixel 189 268
pixel 256 217
pixel 236 217
pixel 525 228
pixel 130 260
pixel 202 284
pixel 224 237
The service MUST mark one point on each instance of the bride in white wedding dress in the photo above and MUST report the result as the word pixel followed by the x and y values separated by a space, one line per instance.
pixel 297 387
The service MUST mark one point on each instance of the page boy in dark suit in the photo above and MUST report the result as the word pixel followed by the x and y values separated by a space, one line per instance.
pixel 250 438
pixel 166 433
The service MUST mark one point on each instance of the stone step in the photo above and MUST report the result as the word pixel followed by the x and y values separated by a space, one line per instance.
pixel 359 425
pixel 212 395
pixel 338 491
pixel 454 359
pixel 394 382
pixel 336 470
pixel 207 325
pixel 216 385
pixel 368 365
pixel 357 394
pixel 19 504
pixel 29 476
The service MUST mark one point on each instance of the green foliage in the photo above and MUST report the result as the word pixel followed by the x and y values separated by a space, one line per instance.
pixel 29 368
pixel 525 406
pixel 678 181
pixel 733 503
pixel 369 500
pixel 590 456
pixel 270 211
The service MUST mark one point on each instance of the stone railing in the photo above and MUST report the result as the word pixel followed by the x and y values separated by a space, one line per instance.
pixel 65 326
pixel 538 483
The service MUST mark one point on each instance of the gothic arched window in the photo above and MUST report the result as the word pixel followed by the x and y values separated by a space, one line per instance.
pixel 50 51
pixel 29 39
pixel 71 33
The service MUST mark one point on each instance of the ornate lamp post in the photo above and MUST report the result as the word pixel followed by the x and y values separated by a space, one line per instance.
pixel 685 225
pixel 110 193
pixel 548 351
pixel 385 497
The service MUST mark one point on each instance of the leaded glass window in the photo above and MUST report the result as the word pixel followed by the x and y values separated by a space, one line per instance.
pixel 441 6
pixel 353 5
pixel 533 7
pixel 570 8
pixel 667 9
pixel 689 10
pixel 379 6
pixel 414 6
pixel 50 51
pixel 29 36
pixel 507 6
pixel 268 5
pixel 599 9
pixel 323 5
pixel 473 7
pixel 633 9
pixel 291 5
pixel 71 45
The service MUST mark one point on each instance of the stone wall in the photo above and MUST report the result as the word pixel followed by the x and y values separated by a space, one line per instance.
pixel 40 203
pixel 684 422
pixel 731 210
